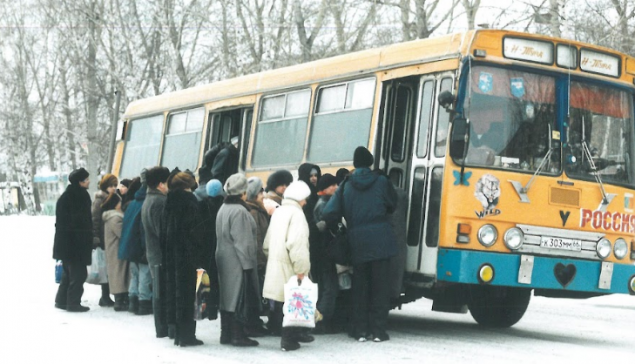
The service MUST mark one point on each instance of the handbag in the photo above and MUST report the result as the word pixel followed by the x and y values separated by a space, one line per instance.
pixel 201 296
pixel 248 305
pixel 299 303
pixel 59 269
pixel 338 248
pixel 97 271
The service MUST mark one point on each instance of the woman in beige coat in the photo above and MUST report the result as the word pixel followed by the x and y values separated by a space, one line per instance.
pixel 287 248
pixel 118 277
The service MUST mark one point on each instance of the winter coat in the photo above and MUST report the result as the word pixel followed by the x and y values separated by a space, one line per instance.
pixel 98 223
pixel 151 217
pixel 235 251
pixel 182 255
pixel 260 215
pixel 118 277
pixel 225 163
pixel 368 198
pixel 133 239
pixel 319 254
pixel 287 248
pixel 73 226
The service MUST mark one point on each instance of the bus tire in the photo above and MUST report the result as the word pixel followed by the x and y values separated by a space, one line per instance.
pixel 499 307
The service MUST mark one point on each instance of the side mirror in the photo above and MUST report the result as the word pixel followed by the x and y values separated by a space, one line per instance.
pixel 459 138
pixel 446 99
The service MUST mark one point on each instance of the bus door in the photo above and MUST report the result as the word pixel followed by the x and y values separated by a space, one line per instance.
pixel 426 177
pixel 226 124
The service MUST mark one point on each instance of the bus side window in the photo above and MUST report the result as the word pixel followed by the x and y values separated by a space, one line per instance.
pixel 443 121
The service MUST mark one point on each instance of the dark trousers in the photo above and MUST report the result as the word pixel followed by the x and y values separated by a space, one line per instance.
pixel 371 297
pixel 158 303
pixel 71 286
pixel 274 324
pixel 328 289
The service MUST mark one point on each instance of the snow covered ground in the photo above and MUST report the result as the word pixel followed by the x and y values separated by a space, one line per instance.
pixel 34 331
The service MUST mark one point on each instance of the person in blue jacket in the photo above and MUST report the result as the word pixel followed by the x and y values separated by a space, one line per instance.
pixel 365 200
pixel 132 248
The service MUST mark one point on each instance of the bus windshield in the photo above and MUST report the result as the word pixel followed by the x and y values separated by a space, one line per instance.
pixel 601 118
pixel 511 115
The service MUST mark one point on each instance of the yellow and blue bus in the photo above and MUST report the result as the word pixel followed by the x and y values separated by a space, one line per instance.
pixel 514 149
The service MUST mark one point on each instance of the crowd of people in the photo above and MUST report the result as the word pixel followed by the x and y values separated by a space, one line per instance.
pixel 159 228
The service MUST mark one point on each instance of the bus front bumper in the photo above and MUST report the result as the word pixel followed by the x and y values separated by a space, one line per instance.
pixel 514 270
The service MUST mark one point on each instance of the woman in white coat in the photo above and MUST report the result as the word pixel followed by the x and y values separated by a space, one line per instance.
pixel 287 248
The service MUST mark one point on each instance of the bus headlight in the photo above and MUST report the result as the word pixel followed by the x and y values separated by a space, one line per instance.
pixel 603 248
pixel 487 235
pixel 620 248
pixel 513 238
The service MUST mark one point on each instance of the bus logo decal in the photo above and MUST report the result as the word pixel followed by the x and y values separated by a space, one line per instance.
pixel 487 193
pixel 458 180
pixel 606 220
pixel 564 216
pixel 518 87
pixel 485 82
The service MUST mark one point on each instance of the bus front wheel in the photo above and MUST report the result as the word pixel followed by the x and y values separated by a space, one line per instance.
pixel 500 307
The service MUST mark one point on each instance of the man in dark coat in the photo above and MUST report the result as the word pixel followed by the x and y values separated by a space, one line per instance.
pixel 73 240
pixel 151 218
pixel 368 198
pixel 226 161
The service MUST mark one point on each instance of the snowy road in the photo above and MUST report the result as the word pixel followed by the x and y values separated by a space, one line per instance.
pixel 34 331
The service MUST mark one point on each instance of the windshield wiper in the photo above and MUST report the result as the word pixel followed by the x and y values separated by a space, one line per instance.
pixel 522 191
pixel 606 197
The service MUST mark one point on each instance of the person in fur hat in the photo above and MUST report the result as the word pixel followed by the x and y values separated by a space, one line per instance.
pixel 73 240
pixel 276 185
pixel 107 185
pixel 287 248
pixel 181 257
pixel 367 199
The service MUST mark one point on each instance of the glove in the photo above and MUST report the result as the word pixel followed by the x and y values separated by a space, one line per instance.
pixel 96 242
pixel 321 226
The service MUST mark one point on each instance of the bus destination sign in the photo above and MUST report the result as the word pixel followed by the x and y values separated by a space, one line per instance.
pixel 528 50
pixel 602 63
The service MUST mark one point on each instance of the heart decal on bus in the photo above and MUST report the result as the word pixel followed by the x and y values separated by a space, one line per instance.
pixel 564 274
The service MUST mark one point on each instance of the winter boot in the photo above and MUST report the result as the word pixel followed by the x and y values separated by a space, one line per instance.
pixel 238 334
pixel 302 335
pixel 145 308
pixel 225 327
pixel 77 308
pixel 186 334
pixel 288 341
pixel 120 302
pixel 133 304
pixel 105 300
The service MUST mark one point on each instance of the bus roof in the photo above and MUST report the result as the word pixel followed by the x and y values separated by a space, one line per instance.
pixel 347 65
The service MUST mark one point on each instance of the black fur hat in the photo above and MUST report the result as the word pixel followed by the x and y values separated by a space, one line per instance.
pixel 279 178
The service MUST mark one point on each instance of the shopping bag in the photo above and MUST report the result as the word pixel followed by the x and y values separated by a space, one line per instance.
pixel 202 298
pixel 59 269
pixel 97 271
pixel 299 303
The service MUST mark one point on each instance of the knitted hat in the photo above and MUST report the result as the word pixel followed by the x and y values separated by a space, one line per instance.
pixel 108 180
pixel 362 158
pixel 297 191
pixel 254 186
pixel 78 175
pixel 279 178
pixel 236 184
pixel 326 181
pixel 111 202
pixel 214 188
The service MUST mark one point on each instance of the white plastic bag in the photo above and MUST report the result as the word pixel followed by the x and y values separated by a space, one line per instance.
pixel 299 303
pixel 97 271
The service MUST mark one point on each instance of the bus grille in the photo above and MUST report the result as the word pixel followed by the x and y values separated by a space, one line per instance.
pixel 561 196
pixel 533 235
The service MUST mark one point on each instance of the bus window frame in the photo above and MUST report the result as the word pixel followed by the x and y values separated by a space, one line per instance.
pixel 166 129
pixel 126 136
pixel 322 86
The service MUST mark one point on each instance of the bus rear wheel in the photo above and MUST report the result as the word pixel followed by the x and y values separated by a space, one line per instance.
pixel 499 307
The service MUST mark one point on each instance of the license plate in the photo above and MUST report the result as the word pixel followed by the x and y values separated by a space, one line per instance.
pixel 561 244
